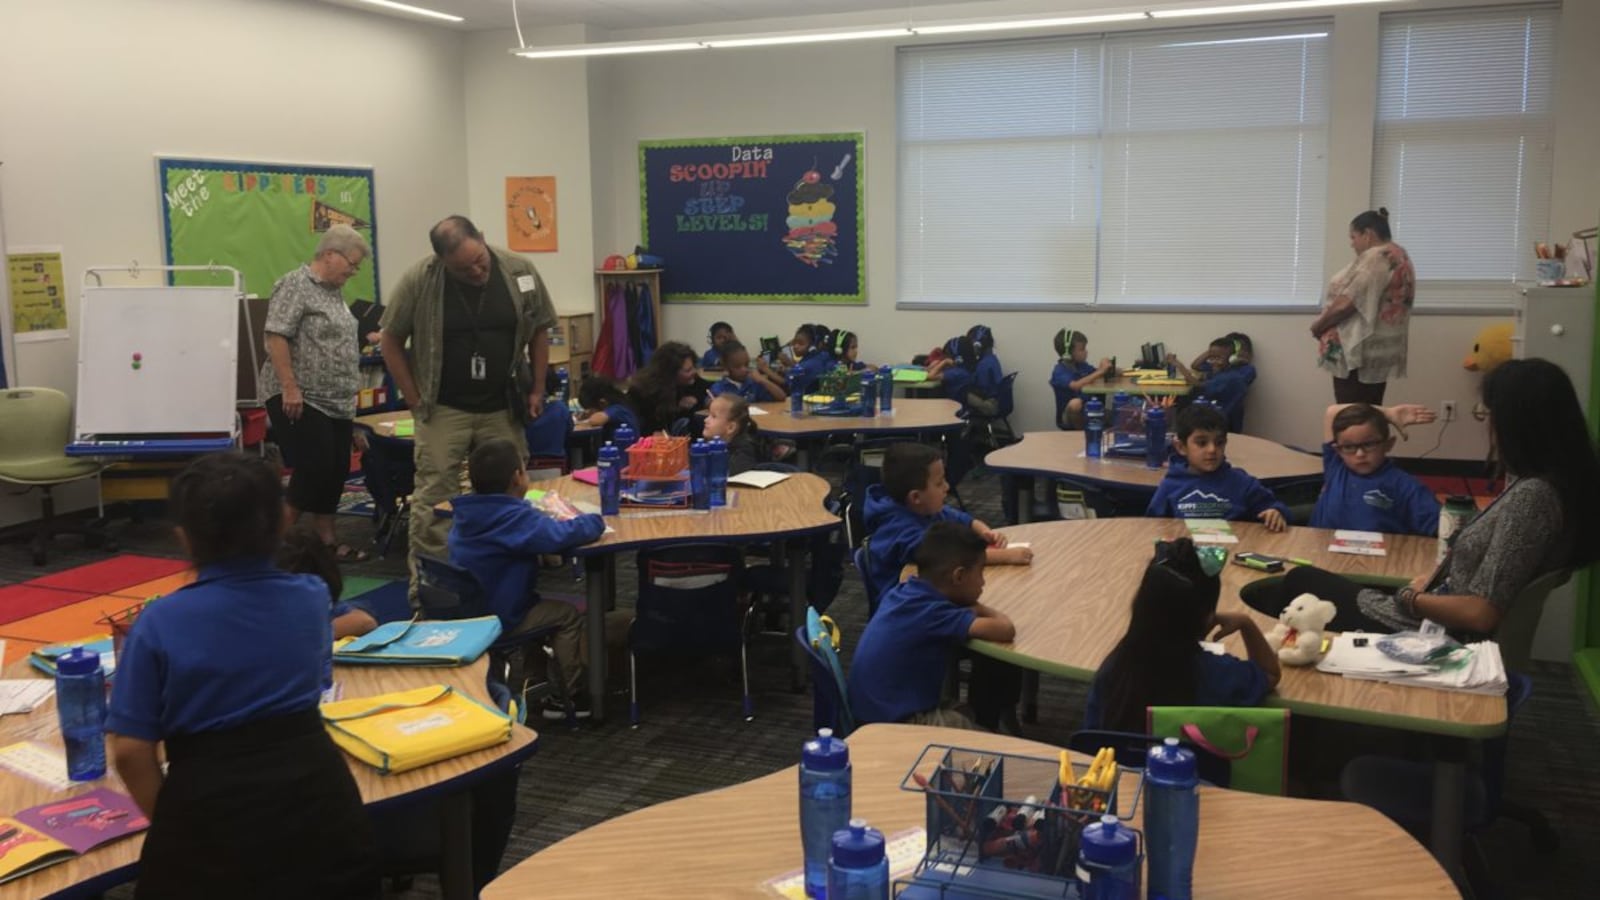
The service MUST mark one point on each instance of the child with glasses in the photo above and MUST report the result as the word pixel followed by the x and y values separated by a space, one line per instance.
pixel 1362 489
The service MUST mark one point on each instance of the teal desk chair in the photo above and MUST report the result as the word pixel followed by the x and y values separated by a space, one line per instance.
pixel 35 428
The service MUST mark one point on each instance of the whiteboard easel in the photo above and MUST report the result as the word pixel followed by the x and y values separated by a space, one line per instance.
pixel 157 361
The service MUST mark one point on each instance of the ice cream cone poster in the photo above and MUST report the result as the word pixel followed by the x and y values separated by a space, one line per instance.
pixel 776 217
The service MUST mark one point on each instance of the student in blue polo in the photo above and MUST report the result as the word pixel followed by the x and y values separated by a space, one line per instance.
pixel 1202 484
pixel 738 378
pixel 898 671
pixel 228 673
pixel 1362 488
pixel 811 357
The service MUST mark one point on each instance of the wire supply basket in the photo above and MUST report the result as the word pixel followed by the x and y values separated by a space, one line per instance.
pixel 657 459
pixel 1003 825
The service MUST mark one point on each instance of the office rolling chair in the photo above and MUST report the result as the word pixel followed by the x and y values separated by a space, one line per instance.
pixel 35 427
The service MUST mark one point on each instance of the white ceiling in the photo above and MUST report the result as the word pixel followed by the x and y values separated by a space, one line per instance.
pixel 622 14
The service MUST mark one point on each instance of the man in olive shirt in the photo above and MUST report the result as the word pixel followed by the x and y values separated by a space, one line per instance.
pixel 469 311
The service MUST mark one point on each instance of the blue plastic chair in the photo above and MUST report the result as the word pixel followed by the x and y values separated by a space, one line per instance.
pixel 690 603
pixel 390 471
pixel 830 698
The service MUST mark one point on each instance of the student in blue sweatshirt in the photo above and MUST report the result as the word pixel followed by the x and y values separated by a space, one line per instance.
pixel 1072 374
pixel 606 406
pixel 1201 484
pixel 547 433
pixel 898 670
pixel 720 335
pixel 498 536
pixel 738 378
pixel 900 509
pixel 1224 373
pixel 1362 488
pixel 812 360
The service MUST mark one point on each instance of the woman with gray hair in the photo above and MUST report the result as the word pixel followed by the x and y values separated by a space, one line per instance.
pixel 310 380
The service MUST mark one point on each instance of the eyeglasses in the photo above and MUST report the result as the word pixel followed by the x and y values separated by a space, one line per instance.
pixel 1363 447
pixel 352 263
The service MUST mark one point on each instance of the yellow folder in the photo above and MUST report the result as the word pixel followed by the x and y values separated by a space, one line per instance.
pixel 404 730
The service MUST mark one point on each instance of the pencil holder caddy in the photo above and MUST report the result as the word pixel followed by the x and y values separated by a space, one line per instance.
pixel 1001 825
pixel 1549 269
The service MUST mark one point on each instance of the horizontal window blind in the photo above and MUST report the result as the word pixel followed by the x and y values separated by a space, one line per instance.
pixel 1463 150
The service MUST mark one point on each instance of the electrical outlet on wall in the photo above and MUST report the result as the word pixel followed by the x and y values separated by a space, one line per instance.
pixel 1448 410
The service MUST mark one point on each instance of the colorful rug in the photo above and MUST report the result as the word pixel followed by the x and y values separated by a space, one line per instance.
pixel 1481 490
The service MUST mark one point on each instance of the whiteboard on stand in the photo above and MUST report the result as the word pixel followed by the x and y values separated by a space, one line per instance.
pixel 157 360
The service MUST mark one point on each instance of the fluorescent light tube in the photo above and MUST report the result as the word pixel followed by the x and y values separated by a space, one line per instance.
pixel 802 37
pixel 614 49
pixel 1003 25
pixel 414 10
pixel 1282 5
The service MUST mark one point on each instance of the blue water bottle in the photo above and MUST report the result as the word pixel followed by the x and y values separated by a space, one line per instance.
pixel 1094 427
pixel 1155 435
pixel 824 803
pixel 858 869
pixel 1108 861
pixel 869 393
pixel 562 380
pixel 700 474
pixel 624 437
pixel 718 471
pixel 886 389
pixel 797 400
pixel 1171 820
pixel 610 471
pixel 81 706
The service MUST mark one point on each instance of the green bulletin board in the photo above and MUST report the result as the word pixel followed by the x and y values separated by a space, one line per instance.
pixel 263 219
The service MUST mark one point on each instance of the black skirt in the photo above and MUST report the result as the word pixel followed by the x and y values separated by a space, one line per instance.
pixel 268 809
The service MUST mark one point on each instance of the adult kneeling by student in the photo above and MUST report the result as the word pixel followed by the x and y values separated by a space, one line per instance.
pixel 476 316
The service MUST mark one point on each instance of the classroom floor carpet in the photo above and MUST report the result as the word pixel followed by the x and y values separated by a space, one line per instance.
pixel 693 739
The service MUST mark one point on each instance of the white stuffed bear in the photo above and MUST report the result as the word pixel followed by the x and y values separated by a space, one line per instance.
pixel 1298 634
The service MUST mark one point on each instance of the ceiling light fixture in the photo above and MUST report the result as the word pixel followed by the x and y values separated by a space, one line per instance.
pixel 414 10
pixel 804 37
pixel 614 49
pixel 1016 24
pixel 1280 6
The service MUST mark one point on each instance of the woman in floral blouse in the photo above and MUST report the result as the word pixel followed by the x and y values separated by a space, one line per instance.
pixel 1366 314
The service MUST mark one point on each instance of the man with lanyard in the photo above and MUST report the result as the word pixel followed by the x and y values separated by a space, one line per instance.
pixel 469 311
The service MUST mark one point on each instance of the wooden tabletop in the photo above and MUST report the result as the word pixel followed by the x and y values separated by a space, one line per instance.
pixel 1071 606
pixel 729 842
pixel 788 508
pixel 908 415
pixel 383 423
pixel 1052 453
pixel 377 789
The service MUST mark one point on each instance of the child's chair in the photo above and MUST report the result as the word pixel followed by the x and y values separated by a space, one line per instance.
pixel 447 591
pixel 390 473
pixel 691 603
pixel 830 706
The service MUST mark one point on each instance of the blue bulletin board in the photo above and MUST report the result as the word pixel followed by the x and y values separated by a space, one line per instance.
pixel 755 219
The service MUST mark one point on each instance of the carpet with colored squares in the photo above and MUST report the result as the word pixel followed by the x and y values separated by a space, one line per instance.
pixel 75 604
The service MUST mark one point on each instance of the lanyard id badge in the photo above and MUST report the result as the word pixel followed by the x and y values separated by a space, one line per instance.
pixel 480 367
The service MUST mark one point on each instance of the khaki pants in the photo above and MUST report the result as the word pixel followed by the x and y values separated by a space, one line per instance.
pixel 442 445
pixel 568 644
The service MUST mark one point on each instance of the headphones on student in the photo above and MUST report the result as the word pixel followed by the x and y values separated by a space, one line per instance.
pixel 954 348
pixel 1064 341
pixel 981 340
pixel 839 340
pixel 1238 351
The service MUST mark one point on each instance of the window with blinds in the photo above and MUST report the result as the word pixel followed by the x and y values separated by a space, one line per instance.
pixel 1463 149
pixel 1157 168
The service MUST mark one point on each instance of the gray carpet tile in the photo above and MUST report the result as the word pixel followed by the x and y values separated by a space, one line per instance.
pixel 693 737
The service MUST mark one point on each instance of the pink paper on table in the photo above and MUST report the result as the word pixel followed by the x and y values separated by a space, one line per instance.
pixel 591 475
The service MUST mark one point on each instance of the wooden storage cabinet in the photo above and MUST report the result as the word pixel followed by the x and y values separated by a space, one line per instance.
pixel 572 346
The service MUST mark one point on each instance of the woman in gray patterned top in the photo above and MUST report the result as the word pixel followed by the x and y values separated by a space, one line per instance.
pixel 1547 518
pixel 311 377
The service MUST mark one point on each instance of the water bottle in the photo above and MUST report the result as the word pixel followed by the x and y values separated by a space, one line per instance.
pixel 561 385
pixel 700 474
pixel 624 437
pixel 717 471
pixel 1457 512
pixel 1108 861
pixel 869 393
pixel 610 471
pixel 81 706
pixel 858 869
pixel 886 389
pixel 1171 820
pixel 797 400
pixel 1155 435
pixel 824 803
pixel 1094 427
pixel 1121 414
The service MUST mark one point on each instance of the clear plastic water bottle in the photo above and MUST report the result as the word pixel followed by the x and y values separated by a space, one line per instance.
pixel 717 470
pixel 81 706
pixel 1155 435
pixel 1108 861
pixel 886 389
pixel 797 400
pixel 824 804
pixel 1458 510
pixel 1121 413
pixel 1171 820
pixel 869 393
pixel 609 469
pixel 624 437
pixel 562 380
pixel 1094 427
pixel 700 474
pixel 859 868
